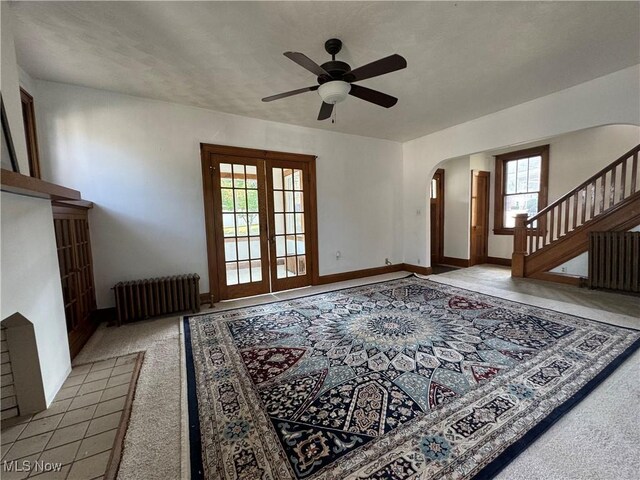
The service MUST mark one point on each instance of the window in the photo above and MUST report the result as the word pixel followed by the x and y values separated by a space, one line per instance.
pixel 521 186
pixel 29 118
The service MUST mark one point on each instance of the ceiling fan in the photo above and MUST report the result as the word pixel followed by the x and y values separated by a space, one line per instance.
pixel 335 79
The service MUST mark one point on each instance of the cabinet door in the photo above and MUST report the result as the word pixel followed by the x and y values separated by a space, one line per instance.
pixel 76 273
pixel 84 269
pixel 65 243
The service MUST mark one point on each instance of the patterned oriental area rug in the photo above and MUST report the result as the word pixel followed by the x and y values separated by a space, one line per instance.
pixel 402 379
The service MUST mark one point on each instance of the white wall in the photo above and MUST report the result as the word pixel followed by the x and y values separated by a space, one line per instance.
pixel 457 189
pixel 139 161
pixel 572 159
pixel 31 282
pixel 612 99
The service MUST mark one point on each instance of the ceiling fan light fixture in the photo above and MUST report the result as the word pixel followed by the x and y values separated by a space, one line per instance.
pixel 334 92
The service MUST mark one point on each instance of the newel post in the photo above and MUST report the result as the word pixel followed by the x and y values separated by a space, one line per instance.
pixel 519 246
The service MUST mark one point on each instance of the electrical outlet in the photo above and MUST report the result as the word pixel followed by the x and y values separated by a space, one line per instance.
pixel 338 255
pixel 563 269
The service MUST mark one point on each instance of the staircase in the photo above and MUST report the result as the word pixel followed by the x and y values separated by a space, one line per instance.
pixel 608 201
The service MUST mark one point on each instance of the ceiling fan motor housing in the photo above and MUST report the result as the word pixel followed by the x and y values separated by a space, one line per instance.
pixel 334 92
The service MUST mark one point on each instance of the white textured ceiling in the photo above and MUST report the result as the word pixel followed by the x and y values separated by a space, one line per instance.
pixel 465 60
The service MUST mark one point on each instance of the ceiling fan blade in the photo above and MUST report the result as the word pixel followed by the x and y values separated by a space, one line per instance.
pixel 379 67
pixel 289 94
pixel 373 96
pixel 305 62
pixel 325 111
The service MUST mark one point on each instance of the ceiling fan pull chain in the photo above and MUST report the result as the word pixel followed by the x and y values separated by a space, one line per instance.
pixel 333 120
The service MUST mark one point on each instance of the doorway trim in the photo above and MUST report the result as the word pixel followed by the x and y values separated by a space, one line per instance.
pixel 206 151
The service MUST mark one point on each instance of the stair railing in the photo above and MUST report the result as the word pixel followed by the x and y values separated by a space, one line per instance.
pixel 592 198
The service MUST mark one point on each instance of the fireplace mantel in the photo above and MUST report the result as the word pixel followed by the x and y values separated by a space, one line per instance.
pixel 17 183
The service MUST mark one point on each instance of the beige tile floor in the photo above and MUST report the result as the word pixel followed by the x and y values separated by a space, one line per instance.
pixel 74 437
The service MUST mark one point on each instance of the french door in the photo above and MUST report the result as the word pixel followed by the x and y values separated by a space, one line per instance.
pixel 260 215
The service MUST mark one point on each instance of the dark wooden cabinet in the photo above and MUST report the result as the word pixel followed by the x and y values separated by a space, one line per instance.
pixel 71 222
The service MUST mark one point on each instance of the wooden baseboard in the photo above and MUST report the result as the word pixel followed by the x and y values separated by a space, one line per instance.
pixel 205 298
pixel 499 261
pixel 367 272
pixel 455 262
pixel 417 269
pixel 574 280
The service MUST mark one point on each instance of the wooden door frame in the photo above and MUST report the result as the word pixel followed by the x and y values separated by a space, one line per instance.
pixel 206 151
pixel 473 260
pixel 440 212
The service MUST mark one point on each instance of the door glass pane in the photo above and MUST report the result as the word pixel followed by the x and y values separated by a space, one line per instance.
pixel 254 247
pixel 277 179
pixel 230 249
pixel 226 175
pixel 252 176
pixel 244 272
pixel 278 202
pixel 281 270
pixel 299 222
pixel 243 248
pixel 241 201
pixel 232 273
pixel 254 224
pixel 290 223
pixel 297 179
pixel 280 243
pixel 288 202
pixel 279 218
pixel 287 178
pixel 227 200
pixel 256 270
pixel 241 224
pixel 291 244
pixel 238 176
pixel 302 265
pixel 252 201
pixel 299 202
pixel 300 246
pixel 292 270
pixel 229 224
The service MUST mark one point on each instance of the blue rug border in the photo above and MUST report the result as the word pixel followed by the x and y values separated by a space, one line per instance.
pixel 195 440
pixel 490 470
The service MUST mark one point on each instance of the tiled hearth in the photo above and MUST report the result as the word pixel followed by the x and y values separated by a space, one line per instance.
pixel 76 435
